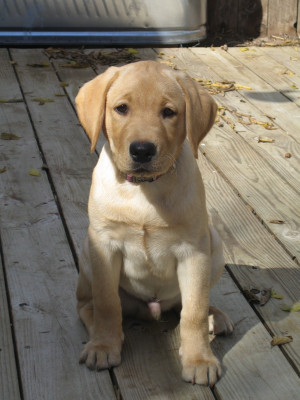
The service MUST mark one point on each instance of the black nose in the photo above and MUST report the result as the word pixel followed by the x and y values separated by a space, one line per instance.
pixel 142 152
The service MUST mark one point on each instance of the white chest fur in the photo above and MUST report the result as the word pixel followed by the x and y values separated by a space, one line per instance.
pixel 151 224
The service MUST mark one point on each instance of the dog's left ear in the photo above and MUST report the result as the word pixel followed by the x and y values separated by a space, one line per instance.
pixel 201 111
pixel 91 101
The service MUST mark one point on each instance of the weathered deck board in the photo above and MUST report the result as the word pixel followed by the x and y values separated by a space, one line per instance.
pixel 56 125
pixel 281 20
pixel 262 95
pixel 9 386
pixel 287 57
pixel 70 170
pixel 40 271
pixel 33 235
pixel 271 71
pixel 139 356
pixel 251 171
pixel 235 103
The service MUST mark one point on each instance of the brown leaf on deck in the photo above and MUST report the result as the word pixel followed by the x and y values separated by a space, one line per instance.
pixel 265 296
pixel 11 100
pixel 43 100
pixel 276 221
pixel 39 65
pixel 9 136
pixel 278 340
pixel 251 297
pixel 74 64
pixel 80 56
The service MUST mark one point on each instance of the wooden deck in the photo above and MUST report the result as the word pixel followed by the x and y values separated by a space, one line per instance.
pixel 251 184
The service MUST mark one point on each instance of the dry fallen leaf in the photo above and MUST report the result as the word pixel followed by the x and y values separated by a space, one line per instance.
pixel 285 307
pixel 265 140
pixel 251 297
pixel 63 84
pixel 276 221
pixel 169 63
pixel 244 49
pixel 265 296
pixel 74 64
pixel 39 65
pixel 42 100
pixel 133 51
pixel 276 295
pixel 286 72
pixel 240 87
pixel 34 172
pixel 295 307
pixel 287 155
pixel 277 340
pixel 2 170
pixel 9 136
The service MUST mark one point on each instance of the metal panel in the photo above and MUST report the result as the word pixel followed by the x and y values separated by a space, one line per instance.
pixel 101 21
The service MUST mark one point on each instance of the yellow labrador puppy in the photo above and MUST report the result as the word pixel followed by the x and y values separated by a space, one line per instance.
pixel 149 246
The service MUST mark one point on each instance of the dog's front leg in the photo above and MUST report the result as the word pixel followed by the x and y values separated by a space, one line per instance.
pixel 198 362
pixel 106 336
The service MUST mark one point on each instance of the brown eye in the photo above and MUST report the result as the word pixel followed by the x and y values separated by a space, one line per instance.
pixel 122 109
pixel 168 113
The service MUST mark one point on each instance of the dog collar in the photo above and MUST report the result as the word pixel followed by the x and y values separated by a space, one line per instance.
pixel 135 179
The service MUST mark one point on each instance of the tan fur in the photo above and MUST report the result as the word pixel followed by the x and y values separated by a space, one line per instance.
pixel 149 246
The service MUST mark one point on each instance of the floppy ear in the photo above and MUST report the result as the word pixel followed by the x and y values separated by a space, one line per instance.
pixel 91 101
pixel 201 111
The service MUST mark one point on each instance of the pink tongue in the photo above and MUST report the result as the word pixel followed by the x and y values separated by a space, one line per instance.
pixel 154 308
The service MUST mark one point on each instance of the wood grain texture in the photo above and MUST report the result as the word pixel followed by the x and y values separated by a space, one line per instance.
pixel 56 124
pixel 253 256
pixel 9 385
pixel 271 71
pixel 266 253
pixel 42 277
pixel 282 17
pixel 143 372
pixel 262 95
pixel 40 271
pixel 248 167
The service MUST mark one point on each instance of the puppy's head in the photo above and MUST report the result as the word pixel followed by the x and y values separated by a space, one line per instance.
pixel 146 110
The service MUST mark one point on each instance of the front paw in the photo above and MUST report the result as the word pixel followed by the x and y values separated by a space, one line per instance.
pixel 203 371
pixel 99 356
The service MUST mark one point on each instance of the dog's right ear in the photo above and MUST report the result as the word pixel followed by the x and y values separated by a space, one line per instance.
pixel 91 102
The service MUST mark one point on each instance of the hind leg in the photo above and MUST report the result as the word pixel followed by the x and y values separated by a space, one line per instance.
pixel 219 323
